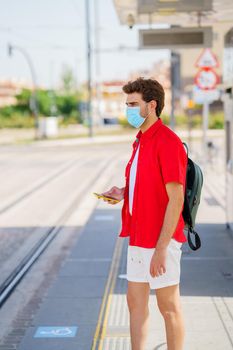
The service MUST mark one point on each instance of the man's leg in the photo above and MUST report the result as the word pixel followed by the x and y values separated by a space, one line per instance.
pixel 168 300
pixel 137 300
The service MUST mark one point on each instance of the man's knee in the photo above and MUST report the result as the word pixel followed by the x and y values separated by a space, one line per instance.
pixel 169 308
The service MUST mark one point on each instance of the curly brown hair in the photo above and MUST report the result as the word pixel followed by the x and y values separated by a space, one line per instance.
pixel 150 89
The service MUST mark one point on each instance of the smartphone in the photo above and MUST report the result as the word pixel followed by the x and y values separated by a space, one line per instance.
pixel 101 196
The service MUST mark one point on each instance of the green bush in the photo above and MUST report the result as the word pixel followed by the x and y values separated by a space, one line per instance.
pixel 73 118
pixel 165 118
pixel 196 121
pixel 216 121
pixel 68 107
pixel 123 122
pixel 49 103
pixel 16 120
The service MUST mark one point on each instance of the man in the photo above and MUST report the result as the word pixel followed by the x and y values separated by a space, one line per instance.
pixel 152 214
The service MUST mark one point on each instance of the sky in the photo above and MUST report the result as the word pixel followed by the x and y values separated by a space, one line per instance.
pixel 53 33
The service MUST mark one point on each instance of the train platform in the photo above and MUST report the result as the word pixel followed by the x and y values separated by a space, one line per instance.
pixel 85 307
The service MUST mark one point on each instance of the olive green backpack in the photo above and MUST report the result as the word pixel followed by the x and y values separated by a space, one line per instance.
pixel 194 183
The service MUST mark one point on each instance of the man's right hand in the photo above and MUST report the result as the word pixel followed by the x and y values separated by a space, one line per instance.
pixel 114 192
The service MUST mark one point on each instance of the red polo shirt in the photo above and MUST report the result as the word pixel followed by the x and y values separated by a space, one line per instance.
pixel 162 159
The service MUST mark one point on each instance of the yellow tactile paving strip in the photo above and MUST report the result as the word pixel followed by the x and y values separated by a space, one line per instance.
pixel 101 328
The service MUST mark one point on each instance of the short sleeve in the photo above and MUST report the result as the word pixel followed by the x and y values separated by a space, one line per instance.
pixel 173 161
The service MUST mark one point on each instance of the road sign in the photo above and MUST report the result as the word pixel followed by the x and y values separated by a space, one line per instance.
pixel 201 96
pixel 206 79
pixel 207 59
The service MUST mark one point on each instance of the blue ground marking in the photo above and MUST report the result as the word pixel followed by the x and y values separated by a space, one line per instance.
pixel 55 332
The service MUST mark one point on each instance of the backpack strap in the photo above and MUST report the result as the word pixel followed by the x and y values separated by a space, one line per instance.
pixel 190 228
pixel 197 239
pixel 186 146
pixel 187 210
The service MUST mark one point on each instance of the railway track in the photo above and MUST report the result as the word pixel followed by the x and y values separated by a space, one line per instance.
pixel 16 275
pixel 39 185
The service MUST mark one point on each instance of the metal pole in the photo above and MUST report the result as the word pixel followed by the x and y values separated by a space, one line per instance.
pixel 175 84
pixel 97 62
pixel 172 116
pixel 205 116
pixel 89 95
pixel 34 106
pixel 190 129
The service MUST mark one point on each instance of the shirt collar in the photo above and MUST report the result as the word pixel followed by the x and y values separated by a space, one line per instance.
pixel 149 132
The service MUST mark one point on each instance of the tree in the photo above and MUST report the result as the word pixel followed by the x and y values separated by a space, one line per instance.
pixel 68 80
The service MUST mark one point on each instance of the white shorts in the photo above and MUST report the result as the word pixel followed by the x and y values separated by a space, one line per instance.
pixel 138 265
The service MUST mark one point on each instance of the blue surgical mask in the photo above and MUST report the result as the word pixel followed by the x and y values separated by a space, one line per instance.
pixel 133 116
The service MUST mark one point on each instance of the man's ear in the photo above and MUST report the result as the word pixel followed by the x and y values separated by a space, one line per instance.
pixel 153 105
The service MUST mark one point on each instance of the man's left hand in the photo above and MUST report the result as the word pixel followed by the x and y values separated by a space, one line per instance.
pixel 158 262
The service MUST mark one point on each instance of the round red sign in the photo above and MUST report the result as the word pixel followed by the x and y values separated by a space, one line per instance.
pixel 206 79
